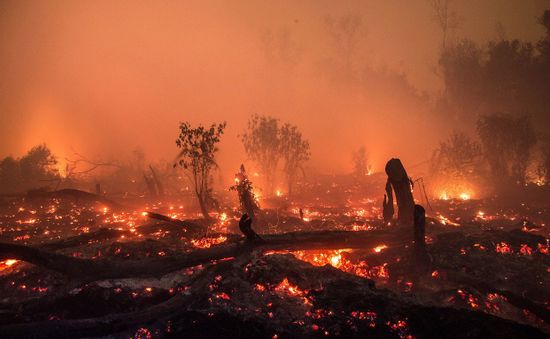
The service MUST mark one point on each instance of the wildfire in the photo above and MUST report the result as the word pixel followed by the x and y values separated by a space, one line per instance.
pixel 503 248
pixel 455 194
pixel 7 263
pixel 336 259
pixel 292 290
pixel 380 248
pixel 287 287
pixel 208 242
pixel 445 221
pixel 464 196
pixel 331 257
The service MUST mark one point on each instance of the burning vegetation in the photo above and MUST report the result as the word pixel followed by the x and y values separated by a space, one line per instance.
pixel 76 264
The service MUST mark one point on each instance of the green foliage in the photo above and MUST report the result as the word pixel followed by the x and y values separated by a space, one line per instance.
pixel 198 147
pixel 507 142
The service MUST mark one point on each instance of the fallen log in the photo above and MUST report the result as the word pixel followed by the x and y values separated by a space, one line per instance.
pixel 181 223
pixel 101 234
pixel 514 299
pixel 341 294
pixel 75 194
pixel 103 268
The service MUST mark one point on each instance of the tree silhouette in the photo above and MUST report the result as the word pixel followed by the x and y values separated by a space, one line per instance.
pixel 507 142
pixel 262 144
pixel 197 157
pixel 295 151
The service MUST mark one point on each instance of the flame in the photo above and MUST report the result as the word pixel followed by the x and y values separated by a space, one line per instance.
pixel 208 242
pixel 9 262
pixel 287 287
pixel 335 260
pixel 380 248
pixel 460 192
pixel 465 196
pixel 503 248
pixel 339 261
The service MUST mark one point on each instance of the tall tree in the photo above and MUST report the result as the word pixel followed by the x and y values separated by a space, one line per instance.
pixel 197 157
pixel 295 152
pixel 456 156
pixel 507 142
pixel 262 144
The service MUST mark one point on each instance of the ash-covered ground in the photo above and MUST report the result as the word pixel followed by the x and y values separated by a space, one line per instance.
pixel 335 270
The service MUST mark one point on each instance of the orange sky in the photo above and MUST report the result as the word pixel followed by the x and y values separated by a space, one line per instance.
pixel 104 77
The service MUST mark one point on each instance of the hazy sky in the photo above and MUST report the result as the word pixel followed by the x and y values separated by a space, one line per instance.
pixel 104 77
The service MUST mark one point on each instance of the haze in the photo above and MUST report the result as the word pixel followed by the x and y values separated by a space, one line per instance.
pixel 102 78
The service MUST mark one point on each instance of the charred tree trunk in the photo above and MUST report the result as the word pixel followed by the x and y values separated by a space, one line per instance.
pixel 98 188
pixel 387 207
pixel 420 253
pixel 203 206
pixel 399 180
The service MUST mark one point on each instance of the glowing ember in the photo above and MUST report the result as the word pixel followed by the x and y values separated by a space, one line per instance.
pixel 380 248
pixel 335 260
pixel 445 221
pixel 525 250
pixel 208 242
pixel 7 263
pixel 464 196
pixel 503 248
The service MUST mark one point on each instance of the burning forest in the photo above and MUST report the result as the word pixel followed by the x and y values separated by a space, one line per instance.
pixel 332 196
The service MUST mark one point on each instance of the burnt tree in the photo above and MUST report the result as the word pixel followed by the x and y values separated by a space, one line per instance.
pixel 401 184
pixel 387 206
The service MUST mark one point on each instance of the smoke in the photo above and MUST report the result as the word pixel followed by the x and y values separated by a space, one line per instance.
pixel 103 78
